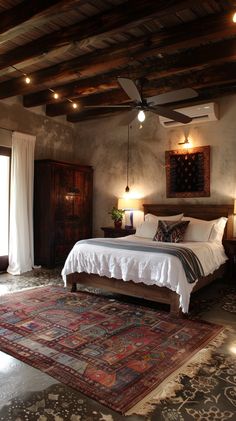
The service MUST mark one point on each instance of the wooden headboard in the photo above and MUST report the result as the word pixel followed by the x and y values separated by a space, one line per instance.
pixel 207 212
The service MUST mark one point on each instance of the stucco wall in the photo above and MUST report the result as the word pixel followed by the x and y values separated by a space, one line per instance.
pixel 103 144
pixel 54 139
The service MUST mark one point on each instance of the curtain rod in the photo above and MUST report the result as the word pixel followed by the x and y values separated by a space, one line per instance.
pixel 10 130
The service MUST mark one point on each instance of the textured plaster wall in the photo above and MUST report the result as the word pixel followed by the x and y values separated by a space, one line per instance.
pixel 103 144
pixel 54 139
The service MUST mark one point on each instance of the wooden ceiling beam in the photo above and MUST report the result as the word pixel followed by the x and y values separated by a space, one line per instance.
pixel 197 80
pixel 26 10
pixel 214 76
pixel 97 64
pixel 105 99
pixel 104 82
pixel 112 21
pixel 117 57
pixel 83 87
pixel 198 59
pixel 205 94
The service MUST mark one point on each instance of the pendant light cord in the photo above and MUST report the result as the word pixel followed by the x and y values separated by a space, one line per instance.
pixel 127 165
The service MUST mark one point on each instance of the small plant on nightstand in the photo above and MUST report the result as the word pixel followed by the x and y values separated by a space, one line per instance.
pixel 117 216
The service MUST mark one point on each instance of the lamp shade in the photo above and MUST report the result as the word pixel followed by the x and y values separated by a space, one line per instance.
pixel 129 204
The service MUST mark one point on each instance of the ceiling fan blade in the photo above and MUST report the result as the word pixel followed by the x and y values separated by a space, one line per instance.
pixel 130 88
pixel 171 114
pixel 128 118
pixel 173 96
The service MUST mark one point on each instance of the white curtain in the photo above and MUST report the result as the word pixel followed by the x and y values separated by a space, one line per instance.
pixel 21 249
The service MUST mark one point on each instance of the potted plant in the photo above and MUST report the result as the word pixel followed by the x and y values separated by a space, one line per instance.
pixel 117 216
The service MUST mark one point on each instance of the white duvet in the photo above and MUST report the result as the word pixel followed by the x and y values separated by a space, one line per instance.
pixel 147 267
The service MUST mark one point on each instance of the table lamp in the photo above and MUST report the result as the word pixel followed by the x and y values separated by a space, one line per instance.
pixel 129 204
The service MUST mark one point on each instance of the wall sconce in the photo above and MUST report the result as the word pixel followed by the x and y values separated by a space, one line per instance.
pixel 130 205
pixel 186 143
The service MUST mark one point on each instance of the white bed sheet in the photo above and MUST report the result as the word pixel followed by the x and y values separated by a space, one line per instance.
pixel 139 266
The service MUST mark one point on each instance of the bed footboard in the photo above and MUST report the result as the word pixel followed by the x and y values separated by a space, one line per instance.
pixel 130 288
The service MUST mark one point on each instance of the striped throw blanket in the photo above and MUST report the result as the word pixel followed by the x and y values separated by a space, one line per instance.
pixel 191 264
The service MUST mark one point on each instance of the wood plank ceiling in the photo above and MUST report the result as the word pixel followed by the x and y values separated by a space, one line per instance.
pixel 78 48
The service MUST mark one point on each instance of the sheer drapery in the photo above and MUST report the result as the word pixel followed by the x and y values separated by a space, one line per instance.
pixel 21 250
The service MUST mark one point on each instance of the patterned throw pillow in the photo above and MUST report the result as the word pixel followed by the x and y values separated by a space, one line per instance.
pixel 171 231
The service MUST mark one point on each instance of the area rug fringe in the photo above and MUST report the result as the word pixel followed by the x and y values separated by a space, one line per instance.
pixel 171 384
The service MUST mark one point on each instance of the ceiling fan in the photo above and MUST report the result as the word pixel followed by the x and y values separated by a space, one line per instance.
pixel 154 104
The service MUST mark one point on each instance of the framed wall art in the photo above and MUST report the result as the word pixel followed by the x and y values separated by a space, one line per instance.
pixel 188 172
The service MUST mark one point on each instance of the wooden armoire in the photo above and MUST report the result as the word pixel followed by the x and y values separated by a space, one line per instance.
pixel 62 209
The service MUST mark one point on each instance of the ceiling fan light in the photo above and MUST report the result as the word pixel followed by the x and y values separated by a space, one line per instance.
pixel 141 116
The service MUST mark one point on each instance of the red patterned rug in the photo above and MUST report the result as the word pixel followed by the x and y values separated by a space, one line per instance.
pixel 112 351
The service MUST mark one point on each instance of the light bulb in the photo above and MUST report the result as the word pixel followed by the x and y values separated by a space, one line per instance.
pixel 27 79
pixel 55 95
pixel 74 105
pixel 187 144
pixel 234 17
pixel 141 116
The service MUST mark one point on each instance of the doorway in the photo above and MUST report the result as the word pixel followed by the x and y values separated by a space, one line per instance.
pixel 5 165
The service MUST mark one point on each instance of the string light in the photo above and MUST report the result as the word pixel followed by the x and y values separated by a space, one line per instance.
pixel 27 79
pixel 55 94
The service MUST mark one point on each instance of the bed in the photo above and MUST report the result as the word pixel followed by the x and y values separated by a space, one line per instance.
pixel 174 296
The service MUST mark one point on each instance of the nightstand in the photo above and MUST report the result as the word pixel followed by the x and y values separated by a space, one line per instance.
pixel 112 232
pixel 230 250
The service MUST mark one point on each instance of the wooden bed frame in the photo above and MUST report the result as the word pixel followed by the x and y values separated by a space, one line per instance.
pixel 153 292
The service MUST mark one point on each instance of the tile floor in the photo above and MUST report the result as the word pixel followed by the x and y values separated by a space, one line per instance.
pixel 27 394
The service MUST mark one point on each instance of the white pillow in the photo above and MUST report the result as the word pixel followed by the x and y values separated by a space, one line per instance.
pixel 218 228
pixel 154 218
pixel 147 229
pixel 198 231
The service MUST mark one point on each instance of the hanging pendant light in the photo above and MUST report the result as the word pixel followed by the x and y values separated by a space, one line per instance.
pixel 128 203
